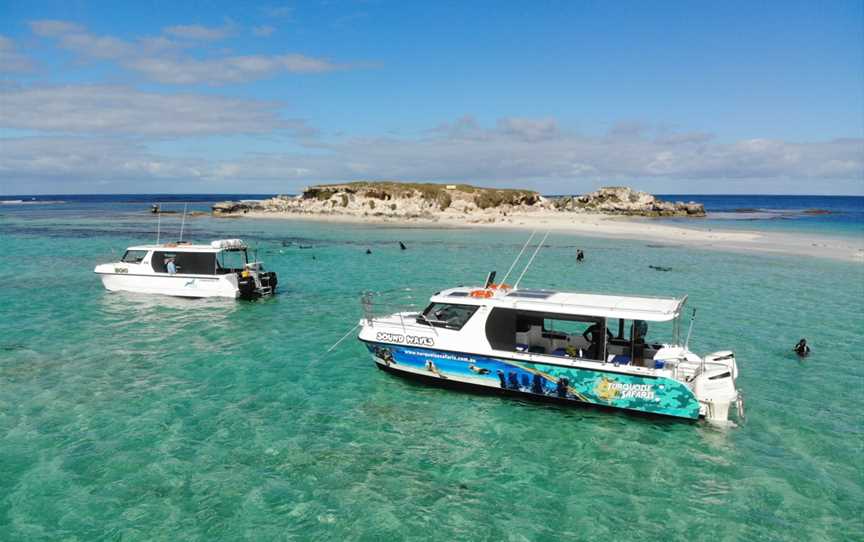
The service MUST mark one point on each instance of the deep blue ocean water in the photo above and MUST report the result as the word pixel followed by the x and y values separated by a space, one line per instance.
pixel 127 417
pixel 827 215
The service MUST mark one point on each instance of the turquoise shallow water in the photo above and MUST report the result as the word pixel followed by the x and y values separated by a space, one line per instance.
pixel 139 418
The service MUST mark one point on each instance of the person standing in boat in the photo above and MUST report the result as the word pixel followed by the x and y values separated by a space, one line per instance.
pixel 595 336
pixel 171 267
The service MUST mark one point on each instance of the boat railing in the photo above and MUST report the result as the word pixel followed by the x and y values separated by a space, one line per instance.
pixel 694 370
pixel 407 313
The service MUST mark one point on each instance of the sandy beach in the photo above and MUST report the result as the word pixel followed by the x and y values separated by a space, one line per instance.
pixel 615 227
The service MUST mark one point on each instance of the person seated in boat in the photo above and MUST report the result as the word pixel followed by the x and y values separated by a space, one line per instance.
pixel 594 336
pixel 171 267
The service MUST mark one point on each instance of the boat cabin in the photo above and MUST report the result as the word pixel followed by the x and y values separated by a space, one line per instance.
pixel 619 329
pixel 220 257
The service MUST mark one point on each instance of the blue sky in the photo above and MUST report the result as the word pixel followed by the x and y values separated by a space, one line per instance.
pixel 564 97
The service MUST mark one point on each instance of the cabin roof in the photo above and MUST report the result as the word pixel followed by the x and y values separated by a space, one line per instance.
pixel 170 247
pixel 652 309
pixel 214 247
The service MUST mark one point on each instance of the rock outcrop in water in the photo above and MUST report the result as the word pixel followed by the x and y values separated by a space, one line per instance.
pixel 622 200
pixel 236 207
pixel 458 201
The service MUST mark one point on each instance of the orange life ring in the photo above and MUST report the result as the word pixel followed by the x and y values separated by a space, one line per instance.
pixel 481 293
pixel 500 287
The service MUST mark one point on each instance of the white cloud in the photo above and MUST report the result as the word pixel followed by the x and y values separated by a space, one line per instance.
pixel 156 57
pixel 75 38
pixel 74 159
pixel 529 129
pixel 199 32
pixel 54 28
pixel 100 109
pixel 264 31
pixel 12 61
pixel 278 12
pixel 496 157
pixel 233 69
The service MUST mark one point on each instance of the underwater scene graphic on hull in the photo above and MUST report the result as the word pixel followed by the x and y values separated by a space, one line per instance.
pixel 645 394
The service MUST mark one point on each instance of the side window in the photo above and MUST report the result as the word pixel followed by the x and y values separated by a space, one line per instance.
pixel 565 327
pixel 196 263
pixel 159 259
pixel 447 315
pixel 133 256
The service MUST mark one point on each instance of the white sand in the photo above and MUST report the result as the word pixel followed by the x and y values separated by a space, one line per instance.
pixel 605 226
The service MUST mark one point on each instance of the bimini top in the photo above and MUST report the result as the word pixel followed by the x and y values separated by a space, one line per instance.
pixel 652 309
pixel 216 246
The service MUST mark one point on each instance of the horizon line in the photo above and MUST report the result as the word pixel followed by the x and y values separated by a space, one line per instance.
pixel 294 194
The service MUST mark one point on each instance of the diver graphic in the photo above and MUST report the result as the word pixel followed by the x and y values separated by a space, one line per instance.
pixel 537 384
pixel 561 388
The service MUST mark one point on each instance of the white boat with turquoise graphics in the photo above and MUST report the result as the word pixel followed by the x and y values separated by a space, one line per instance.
pixel 565 346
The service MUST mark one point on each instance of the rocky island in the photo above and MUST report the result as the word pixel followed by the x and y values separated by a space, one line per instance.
pixel 453 203
pixel 610 212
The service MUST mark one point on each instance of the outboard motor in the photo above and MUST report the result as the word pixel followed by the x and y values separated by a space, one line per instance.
pixel 714 387
pixel 711 378
pixel 253 282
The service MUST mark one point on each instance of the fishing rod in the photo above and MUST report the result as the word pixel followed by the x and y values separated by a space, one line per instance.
pixel 504 280
pixel 158 224
pixel 183 222
pixel 539 246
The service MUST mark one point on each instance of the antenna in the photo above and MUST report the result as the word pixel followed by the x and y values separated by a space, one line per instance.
pixel 490 279
pixel 158 225
pixel 504 280
pixel 183 222
pixel 539 246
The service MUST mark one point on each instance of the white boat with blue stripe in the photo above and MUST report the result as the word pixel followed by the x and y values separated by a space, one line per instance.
pixel 621 352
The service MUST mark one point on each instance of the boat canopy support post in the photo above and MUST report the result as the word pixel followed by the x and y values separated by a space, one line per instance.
pixel 690 330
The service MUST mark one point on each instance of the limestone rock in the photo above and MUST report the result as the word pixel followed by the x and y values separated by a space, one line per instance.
pixel 427 201
pixel 623 200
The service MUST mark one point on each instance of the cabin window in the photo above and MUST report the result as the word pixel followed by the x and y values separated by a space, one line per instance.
pixel 188 263
pixel 547 333
pixel 565 327
pixel 133 256
pixel 232 261
pixel 447 315
pixel 630 342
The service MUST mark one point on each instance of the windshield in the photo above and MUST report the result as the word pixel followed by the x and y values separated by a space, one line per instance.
pixel 447 315
pixel 133 256
pixel 233 259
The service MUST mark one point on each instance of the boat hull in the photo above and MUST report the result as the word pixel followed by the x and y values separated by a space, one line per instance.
pixel 172 285
pixel 645 394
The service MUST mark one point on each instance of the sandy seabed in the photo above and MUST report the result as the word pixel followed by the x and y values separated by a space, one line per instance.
pixel 615 227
